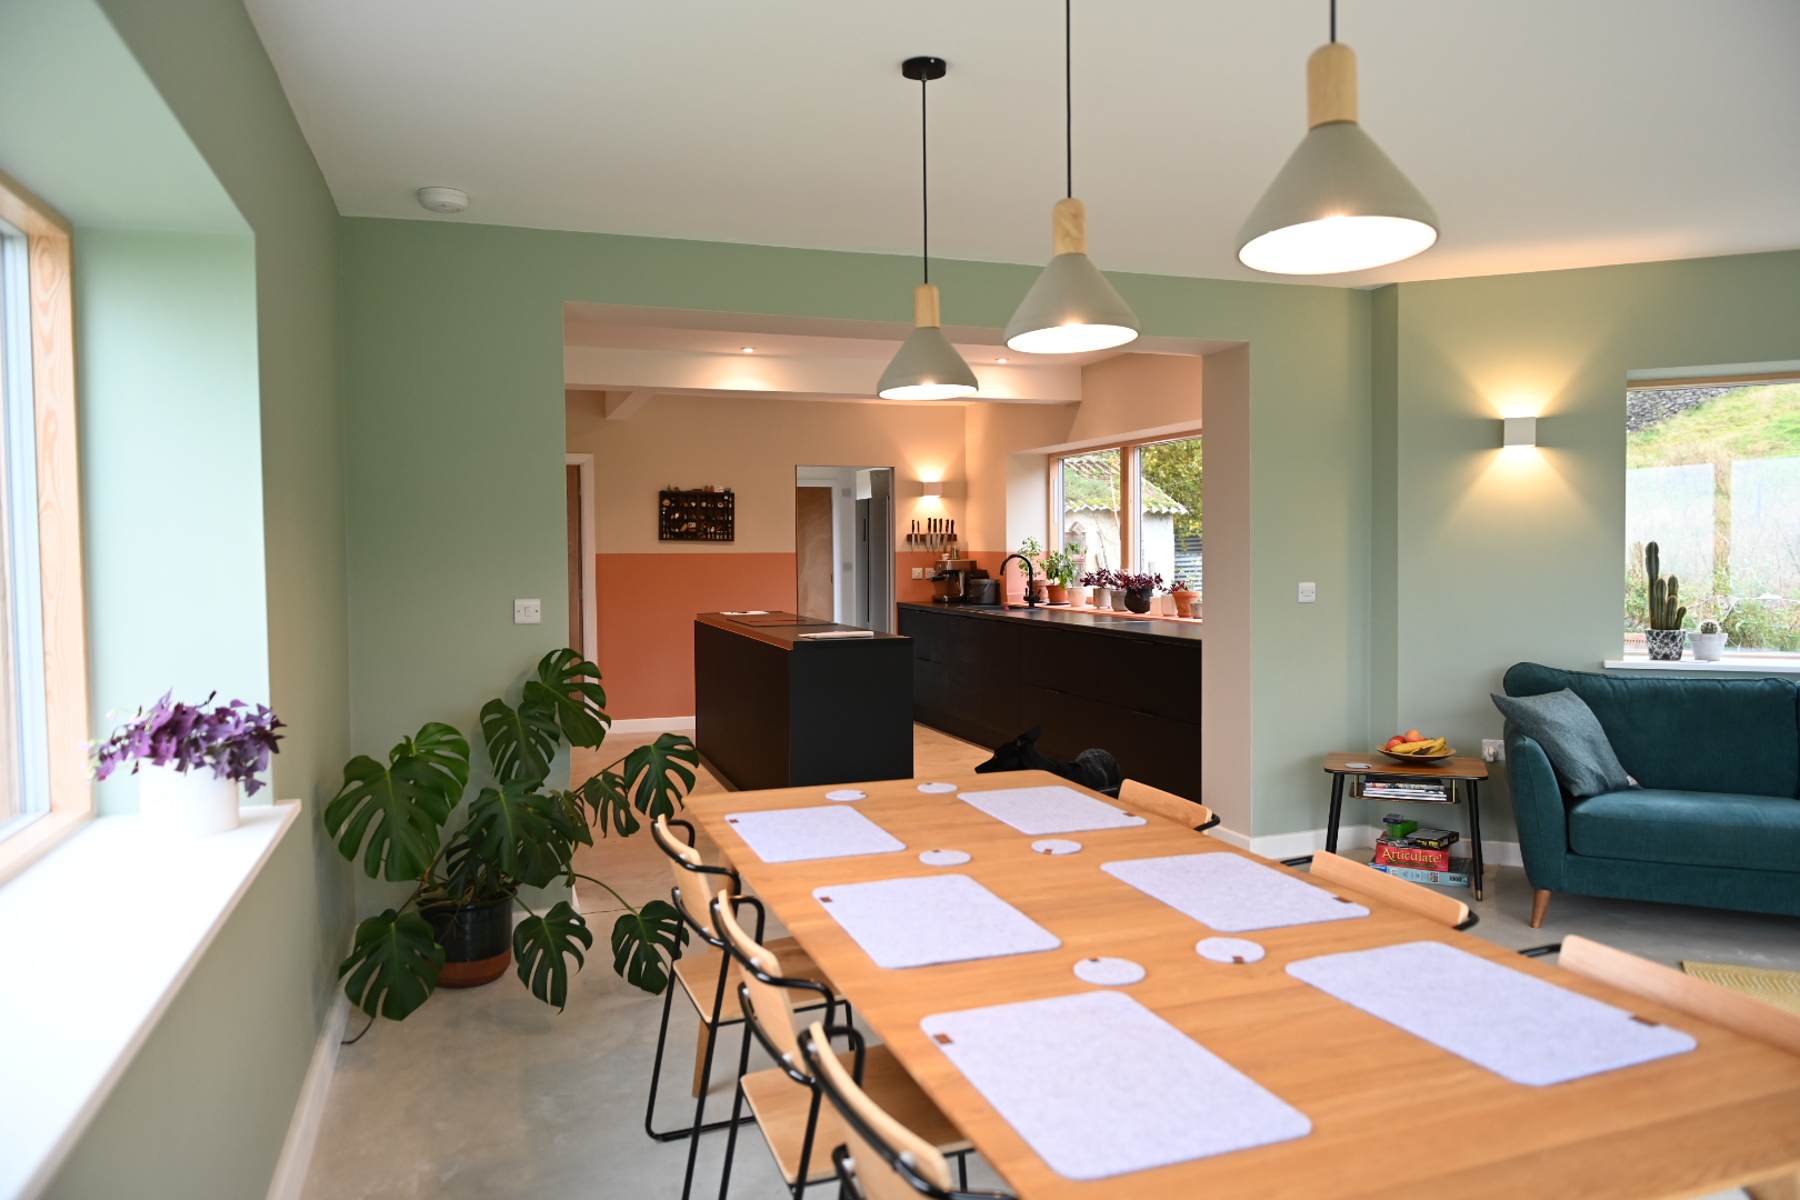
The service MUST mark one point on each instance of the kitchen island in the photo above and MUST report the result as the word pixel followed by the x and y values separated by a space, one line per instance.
pixel 778 705
pixel 1127 684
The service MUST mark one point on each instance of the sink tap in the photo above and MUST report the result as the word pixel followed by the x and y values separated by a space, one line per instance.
pixel 1030 579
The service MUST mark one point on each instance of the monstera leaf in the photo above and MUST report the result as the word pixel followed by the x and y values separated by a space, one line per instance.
pixel 661 773
pixel 524 833
pixel 568 691
pixel 399 808
pixel 606 796
pixel 542 944
pixel 394 967
pixel 636 938
pixel 520 741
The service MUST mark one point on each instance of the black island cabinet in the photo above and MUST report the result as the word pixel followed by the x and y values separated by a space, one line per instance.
pixel 1090 680
pixel 774 707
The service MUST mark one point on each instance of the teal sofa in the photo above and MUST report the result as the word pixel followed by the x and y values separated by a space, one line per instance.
pixel 1716 818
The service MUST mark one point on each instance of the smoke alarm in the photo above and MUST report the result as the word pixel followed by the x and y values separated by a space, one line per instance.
pixel 443 199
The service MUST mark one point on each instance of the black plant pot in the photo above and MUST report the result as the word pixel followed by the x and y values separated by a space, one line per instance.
pixel 1137 599
pixel 477 941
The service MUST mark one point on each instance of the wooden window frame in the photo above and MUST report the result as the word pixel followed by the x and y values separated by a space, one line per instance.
pixel 1130 490
pixel 51 283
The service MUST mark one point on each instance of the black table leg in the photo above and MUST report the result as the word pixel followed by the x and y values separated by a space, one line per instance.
pixel 1474 837
pixel 1337 808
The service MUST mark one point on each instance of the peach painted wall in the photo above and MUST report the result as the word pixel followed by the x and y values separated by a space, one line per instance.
pixel 1132 392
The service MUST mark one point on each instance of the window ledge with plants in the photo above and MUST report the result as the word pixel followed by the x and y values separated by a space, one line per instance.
pixel 1730 664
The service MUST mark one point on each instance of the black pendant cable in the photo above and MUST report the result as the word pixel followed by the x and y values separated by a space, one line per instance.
pixel 927 366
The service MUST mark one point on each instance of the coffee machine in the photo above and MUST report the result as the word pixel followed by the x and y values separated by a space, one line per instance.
pixel 950 581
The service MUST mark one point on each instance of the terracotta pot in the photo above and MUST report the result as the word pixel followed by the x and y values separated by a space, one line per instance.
pixel 1183 598
pixel 1058 594
pixel 477 941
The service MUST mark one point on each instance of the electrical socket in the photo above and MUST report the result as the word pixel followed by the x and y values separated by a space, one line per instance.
pixel 528 612
pixel 1493 750
pixel 918 572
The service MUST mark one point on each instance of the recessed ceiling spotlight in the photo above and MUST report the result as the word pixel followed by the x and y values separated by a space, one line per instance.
pixel 749 349
pixel 999 360
pixel 443 199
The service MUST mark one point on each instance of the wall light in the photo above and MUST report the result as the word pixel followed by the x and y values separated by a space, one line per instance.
pixel 1518 431
pixel 934 487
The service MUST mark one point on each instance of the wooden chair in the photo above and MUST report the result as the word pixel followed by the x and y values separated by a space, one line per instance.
pixel 785 1099
pixel 1435 906
pixel 1166 804
pixel 704 978
pixel 880 1157
pixel 1743 1015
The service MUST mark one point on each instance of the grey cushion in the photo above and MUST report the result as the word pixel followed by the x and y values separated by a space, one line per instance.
pixel 1563 724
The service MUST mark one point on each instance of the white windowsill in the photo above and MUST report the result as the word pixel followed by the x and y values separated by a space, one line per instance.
pixel 1746 665
pixel 98 937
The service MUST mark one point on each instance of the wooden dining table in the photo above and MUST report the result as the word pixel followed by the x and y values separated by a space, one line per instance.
pixel 1392 1114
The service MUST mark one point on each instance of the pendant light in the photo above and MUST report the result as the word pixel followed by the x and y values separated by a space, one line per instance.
pixel 1071 308
pixel 1339 204
pixel 927 366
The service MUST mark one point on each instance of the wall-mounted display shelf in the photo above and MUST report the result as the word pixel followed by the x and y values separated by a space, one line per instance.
pixel 697 516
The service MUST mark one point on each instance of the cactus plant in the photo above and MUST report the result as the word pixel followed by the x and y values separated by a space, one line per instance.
pixel 1710 627
pixel 1666 609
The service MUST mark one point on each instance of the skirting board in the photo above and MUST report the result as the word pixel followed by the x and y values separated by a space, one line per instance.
pixel 653 725
pixel 1350 837
pixel 309 1110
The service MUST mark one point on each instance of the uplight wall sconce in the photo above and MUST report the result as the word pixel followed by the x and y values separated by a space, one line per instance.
pixel 934 487
pixel 1518 431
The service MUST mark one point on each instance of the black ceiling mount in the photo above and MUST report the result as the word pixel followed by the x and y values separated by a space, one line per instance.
pixel 924 67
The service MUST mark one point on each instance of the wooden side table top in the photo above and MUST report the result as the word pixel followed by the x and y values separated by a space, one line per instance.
pixel 1381 764
pixel 1725 1114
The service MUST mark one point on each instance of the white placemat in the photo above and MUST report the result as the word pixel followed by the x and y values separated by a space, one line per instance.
pixel 780 835
pixel 1516 1025
pixel 1099 1085
pixel 1231 893
pixel 931 919
pixel 1040 810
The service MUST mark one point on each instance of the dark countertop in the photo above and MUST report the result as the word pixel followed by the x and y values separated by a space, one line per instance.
pixel 786 629
pixel 1123 625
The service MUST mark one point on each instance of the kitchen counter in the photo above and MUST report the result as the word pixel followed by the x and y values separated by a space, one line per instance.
pixel 1091 619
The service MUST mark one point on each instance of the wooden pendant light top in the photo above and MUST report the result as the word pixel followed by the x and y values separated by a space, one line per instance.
pixel 1330 85
pixel 926 310
pixel 1068 226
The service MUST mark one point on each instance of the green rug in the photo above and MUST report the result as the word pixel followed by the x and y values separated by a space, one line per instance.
pixel 1780 988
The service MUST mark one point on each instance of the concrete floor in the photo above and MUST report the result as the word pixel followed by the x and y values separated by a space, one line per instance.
pixel 486 1093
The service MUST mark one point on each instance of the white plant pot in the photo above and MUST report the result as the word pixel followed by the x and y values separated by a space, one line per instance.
pixel 186 804
pixel 1197 610
pixel 1107 598
pixel 1708 647
pixel 1165 606
pixel 1077 597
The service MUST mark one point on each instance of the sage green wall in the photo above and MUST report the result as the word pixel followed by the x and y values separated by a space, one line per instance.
pixel 454 390
pixel 1501 558
pixel 206 305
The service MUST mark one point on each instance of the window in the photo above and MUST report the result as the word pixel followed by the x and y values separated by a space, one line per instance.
pixel 44 788
pixel 1713 477
pixel 1157 484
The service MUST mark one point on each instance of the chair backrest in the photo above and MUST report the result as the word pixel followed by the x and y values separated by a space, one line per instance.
pixel 1735 1011
pixel 1164 804
pixel 1435 906
pixel 876 1140
pixel 694 887
pixel 770 1008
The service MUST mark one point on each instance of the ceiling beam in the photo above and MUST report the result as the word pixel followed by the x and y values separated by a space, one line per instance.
pixel 620 405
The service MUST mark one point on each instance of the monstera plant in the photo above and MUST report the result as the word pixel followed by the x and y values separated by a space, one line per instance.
pixel 514 833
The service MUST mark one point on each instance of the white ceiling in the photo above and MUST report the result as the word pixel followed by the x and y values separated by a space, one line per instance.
pixel 1547 133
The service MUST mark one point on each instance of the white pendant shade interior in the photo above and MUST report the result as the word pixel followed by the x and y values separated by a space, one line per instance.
pixel 1339 204
pixel 1071 309
pixel 927 366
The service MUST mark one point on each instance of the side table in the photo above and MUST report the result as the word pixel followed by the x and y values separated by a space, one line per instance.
pixel 1469 772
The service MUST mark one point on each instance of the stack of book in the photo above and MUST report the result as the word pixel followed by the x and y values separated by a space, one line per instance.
pixel 1420 855
pixel 1407 787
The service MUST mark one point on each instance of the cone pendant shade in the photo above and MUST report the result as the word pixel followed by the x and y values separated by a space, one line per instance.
pixel 927 366
pixel 1339 204
pixel 1071 308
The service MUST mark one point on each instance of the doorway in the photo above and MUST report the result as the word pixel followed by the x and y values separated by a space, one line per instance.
pixel 844 545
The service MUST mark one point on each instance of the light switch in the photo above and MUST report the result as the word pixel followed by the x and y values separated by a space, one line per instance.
pixel 1309 592
pixel 528 612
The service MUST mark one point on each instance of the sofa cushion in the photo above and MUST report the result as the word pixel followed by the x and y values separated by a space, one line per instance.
pixel 1563 724
pixel 1703 829
pixel 1704 735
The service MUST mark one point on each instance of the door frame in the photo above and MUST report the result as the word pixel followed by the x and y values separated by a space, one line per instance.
pixel 590 555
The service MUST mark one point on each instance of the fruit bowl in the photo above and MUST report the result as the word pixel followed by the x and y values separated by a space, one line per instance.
pixel 1448 752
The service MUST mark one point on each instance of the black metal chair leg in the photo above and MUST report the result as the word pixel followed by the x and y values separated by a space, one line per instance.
pixel 737 1108
pixel 962 1170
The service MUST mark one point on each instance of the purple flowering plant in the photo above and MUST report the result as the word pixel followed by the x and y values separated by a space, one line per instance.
pixel 1139 583
pixel 234 741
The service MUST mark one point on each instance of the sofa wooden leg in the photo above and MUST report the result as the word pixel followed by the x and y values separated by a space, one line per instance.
pixel 1540 904
pixel 1782 1187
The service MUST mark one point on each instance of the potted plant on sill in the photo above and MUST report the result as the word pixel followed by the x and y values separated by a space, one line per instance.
pixel 1665 635
pixel 456 928
pixel 1101 583
pixel 1183 596
pixel 1139 589
pixel 1033 550
pixel 1709 642
pixel 1059 571
pixel 167 747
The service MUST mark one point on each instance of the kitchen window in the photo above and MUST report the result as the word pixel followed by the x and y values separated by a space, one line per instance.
pixel 1713 477
pixel 1135 507
pixel 45 792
